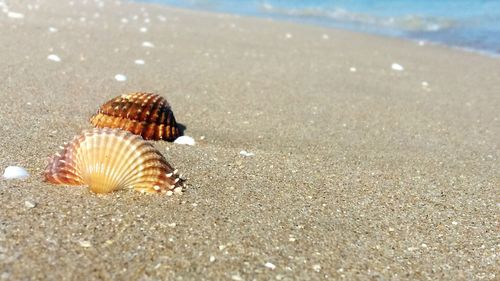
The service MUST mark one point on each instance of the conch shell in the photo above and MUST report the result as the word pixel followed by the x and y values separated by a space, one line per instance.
pixel 112 159
pixel 145 114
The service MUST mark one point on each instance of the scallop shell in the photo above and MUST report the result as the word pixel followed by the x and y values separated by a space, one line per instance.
pixel 111 159
pixel 145 114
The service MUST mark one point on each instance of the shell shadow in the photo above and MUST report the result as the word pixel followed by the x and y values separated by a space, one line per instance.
pixel 182 128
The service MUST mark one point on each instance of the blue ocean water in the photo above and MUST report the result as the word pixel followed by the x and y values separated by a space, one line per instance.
pixel 470 24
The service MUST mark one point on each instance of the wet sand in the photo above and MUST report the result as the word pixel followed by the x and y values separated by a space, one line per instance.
pixel 360 171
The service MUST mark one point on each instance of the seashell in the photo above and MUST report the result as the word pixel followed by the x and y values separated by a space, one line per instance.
pixel 111 159
pixel 145 114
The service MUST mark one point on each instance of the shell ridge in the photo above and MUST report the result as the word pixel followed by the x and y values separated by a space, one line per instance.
pixel 145 152
pixel 107 159
pixel 134 160
pixel 119 170
pixel 155 105
pixel 147 108
pixel 61 168
pixel 112 154
pixel 86 165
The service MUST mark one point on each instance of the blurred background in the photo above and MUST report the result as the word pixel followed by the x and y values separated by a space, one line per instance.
pixel 467 24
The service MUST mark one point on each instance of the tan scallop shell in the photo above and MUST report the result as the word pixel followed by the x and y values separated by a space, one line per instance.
pixel 111 159
pixel 145 114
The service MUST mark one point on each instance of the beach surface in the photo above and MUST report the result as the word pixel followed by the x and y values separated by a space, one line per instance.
pixel 373 158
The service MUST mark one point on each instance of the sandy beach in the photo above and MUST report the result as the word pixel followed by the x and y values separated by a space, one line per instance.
pixel 373 158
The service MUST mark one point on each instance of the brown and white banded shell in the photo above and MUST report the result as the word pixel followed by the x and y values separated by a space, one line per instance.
pixel 112 159
pixel 145 114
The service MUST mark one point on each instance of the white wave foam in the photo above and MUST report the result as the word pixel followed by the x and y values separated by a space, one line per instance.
pixel 405 22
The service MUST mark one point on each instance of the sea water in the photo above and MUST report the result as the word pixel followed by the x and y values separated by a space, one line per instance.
pixel 470 24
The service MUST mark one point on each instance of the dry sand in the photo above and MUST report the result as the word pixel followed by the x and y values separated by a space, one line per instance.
pixel 356 175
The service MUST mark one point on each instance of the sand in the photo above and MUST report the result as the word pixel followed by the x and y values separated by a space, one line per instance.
pixel 359 171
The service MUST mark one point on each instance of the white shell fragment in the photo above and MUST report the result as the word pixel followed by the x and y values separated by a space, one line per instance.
pixel 148 44
pixel 120 77
pixel 246 153
pixel 15 172
pixel 54 57
pixel 397 67
pixel 14 15
pixel 185 140
pixel 140 62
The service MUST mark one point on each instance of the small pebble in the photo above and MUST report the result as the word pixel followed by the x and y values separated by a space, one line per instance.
pixel 14 15
pixel 143 29
pixel 269 265
pixel 352 69
pixel 236 278
pixel 85 244
pixel 141 62
pixel 325 36
pixel 120 77
pixel 317 267
pixel 54 57
pixel 397 67
pixel 29 204
pixel 246 153
pixel 15 172
pixel 148 44
pixel 52 29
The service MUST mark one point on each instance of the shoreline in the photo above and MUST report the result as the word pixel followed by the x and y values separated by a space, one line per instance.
pixel 324 24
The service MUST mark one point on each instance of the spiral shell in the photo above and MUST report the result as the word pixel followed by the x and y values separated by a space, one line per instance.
pixel 111 159
pixel 145 114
